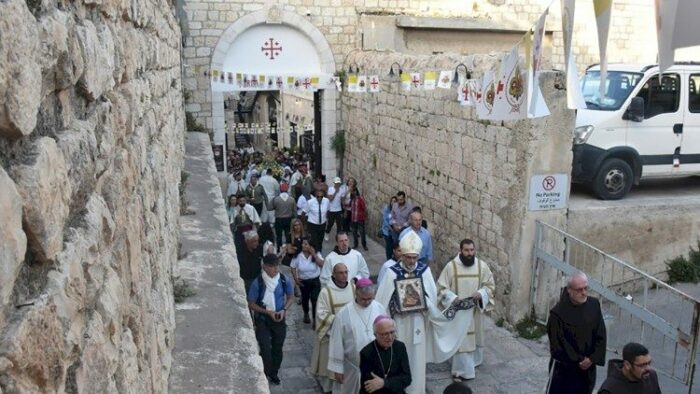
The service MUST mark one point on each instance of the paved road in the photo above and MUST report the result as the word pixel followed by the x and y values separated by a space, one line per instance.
pixel 511 365
pixel 649 192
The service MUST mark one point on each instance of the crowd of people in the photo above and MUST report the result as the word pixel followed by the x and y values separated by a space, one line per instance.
pixel 379 337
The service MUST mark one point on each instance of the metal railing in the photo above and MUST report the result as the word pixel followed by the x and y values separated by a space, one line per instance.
pixel 636 306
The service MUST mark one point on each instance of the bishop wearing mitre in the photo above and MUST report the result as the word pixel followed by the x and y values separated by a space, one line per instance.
pixel 409 293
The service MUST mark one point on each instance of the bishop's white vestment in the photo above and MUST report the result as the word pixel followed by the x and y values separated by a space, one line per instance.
pixel 428 335
pixel 330 300
pixel 458 281
pixel 353 329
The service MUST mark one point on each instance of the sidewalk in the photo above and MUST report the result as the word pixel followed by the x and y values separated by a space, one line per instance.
pixel 511 365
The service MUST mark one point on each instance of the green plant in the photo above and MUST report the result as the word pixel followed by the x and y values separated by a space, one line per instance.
pixel 338 143
pixel 184 177
pixel 181 290
pixel 529 329
pixel 685 269
pixel 192 124
pixel 500 322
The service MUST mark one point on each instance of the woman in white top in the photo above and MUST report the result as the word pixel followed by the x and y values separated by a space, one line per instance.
pixel 306 269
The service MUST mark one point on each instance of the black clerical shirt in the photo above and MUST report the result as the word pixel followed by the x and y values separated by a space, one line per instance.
pixel 390 361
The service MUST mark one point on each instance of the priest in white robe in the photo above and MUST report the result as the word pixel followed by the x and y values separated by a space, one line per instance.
pixel 428 334
pixel 467 276
pixel 352 330
pixel 342 253
pixel 331 299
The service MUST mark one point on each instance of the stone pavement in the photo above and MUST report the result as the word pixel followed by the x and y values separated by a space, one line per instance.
pixel 511 365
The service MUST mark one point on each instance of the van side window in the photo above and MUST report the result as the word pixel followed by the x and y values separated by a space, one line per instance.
pixel 694 93
pixel 660 97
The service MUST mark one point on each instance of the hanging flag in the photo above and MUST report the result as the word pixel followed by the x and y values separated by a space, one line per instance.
pixel 314 82
pixel 306 83
pixel 464 94
pixel 537 107
pixel 511 97
pixel 603 9
pixel 374 83
pixel 352 83
pixel 429 80
pixel 406 81
pixel 445 79
pixel 338 83
pixel 290 83
pixel 215 75
pixel 279 82
pixel 676 27
pixel 362 84
pixel 239 79
pixel 415 80
pixel 475 92
pixel 488 94
pixel 573 88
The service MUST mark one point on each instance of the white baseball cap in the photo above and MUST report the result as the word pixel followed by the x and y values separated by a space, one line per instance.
pixel 336 180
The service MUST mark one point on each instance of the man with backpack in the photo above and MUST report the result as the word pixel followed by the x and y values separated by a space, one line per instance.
pixel 270 296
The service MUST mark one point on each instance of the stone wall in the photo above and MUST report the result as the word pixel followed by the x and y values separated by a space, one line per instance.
pixel 470 176
pixel 91 146
pixel 204 21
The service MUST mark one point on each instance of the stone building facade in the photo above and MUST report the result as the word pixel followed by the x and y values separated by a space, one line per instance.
pixel 414 27
pixel 469 176
pixel 91 149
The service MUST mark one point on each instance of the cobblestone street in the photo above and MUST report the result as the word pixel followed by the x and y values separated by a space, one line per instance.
pixel 511 365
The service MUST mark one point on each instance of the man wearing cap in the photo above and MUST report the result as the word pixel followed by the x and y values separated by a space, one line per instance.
pixel 409 293
pixel 270 296
pixel 467 276
pixel 336 294
pixel 352 330
pixel 284 207
pixel 335 211
pixel 384 366
pixel 256 194
pixel 342 253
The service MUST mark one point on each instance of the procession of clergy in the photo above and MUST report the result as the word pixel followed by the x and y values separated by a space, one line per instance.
pixel 430 321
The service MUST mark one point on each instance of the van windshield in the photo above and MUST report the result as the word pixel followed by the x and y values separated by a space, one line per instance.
pixel 618 86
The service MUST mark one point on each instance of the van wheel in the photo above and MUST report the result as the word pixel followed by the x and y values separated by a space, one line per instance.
pixel 614 180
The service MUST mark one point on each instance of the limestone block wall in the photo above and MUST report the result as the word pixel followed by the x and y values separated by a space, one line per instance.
pixel 203 22
pixel 91 147
pixel 470 176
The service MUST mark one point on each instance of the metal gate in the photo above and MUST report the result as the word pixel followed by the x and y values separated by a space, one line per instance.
pixel 636 306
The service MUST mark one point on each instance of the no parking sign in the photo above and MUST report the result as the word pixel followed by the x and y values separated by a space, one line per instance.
pixel 548 191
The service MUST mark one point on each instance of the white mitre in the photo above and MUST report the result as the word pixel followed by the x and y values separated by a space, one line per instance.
pixel 411 243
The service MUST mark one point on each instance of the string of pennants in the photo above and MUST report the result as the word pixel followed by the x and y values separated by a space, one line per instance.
pixel 264 128
pixel 227 80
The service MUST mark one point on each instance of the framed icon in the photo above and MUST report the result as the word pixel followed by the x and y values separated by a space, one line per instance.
pixel 410 295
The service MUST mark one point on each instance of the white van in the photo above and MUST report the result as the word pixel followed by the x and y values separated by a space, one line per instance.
pixel 644 127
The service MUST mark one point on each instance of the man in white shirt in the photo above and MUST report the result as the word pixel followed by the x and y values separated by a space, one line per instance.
pixel 353 260
pixel 243 218
pixel 272 190
pixel 236 185
pixel 352 330
pixel 335 212
pixel 317 212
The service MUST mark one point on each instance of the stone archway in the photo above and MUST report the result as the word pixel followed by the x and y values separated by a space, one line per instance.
pixel 275 16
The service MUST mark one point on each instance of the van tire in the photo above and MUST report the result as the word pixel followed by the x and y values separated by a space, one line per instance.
pixel 614 180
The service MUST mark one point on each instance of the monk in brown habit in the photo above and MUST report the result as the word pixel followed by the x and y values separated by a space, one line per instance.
pixel 576 339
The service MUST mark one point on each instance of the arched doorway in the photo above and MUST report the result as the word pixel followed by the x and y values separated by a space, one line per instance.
pixel 248 47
